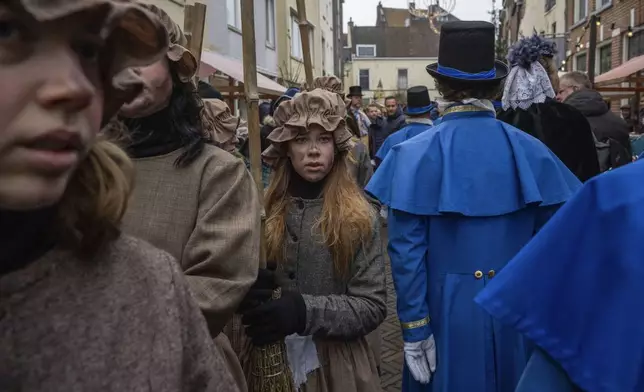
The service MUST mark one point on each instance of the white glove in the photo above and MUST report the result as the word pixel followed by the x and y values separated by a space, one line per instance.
pixel 421 359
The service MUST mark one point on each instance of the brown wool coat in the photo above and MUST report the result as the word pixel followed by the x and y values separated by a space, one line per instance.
pixel 207 216
pixel 123 321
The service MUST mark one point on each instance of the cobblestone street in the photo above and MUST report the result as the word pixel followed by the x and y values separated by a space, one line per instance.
pixel 392 356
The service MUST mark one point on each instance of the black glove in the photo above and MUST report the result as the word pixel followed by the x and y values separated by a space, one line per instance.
pixel 274 320
pixel 260 291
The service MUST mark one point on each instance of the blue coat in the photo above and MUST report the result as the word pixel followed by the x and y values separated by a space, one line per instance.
pixel 465 196
pixel 586 309
pixel 405 133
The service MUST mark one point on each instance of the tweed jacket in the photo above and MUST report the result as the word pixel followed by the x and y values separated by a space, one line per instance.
pixel 207 216
pixel 121 321
pixel 342 308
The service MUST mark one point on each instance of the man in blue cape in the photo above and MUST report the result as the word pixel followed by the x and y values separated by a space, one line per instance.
pixel 464 196
pixel 576 291
pixel 418 112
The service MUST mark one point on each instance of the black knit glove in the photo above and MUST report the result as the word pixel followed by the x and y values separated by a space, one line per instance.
pixel 260 291
pixel 272 321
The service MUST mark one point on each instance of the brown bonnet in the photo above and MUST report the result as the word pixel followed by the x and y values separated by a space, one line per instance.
pixel 133 38
pixel 184 61
pixel 220 124
pixel 320 107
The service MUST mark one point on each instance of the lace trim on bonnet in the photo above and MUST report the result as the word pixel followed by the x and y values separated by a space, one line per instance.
pixel 318 106
pixel 134 38
pixel 528 82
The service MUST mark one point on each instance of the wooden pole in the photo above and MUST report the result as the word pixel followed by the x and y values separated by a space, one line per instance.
pixel 252 104
pixel 592 48
pixel 305 35
pixel 194 22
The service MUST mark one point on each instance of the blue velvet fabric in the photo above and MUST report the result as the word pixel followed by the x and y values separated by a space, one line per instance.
pixel 465 196
pixel 405 133
pixel 576 289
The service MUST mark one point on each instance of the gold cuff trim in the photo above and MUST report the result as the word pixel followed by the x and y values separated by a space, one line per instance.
pixel 415 324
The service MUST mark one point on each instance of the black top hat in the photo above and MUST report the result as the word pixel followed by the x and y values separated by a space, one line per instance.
pixel 418 101
pixel 355 91
pixel 466 54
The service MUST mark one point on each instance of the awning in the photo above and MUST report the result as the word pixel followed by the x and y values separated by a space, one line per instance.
pixel 621 73
pixel 211 62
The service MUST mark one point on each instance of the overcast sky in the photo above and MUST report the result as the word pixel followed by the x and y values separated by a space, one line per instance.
pixel 363 12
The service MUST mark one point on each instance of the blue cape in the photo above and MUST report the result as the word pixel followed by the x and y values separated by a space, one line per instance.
pixel 407 132
pixel 577 288
pixel 474 165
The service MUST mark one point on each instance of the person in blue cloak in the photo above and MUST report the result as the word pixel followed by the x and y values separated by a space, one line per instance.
pixel 576 291
pixel 417 112
pixel 464 196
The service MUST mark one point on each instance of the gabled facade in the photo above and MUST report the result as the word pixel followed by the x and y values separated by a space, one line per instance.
pixel 391 56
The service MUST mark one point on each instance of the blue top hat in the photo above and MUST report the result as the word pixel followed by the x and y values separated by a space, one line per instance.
pixel 418 101
pixel 466 54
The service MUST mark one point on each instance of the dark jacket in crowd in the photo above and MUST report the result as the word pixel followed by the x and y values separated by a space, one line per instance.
pixel 381 128
pixel 563 129
pixel 604 123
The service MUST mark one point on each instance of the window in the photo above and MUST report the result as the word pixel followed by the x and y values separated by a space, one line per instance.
pixel 550 4
pixel 270 23
pixel 600 4
pixel 581 10
pixel 636 44
pixel 605 58
pixel 364 79
pixel 233 7
pixel 580 62
pixel 296 40
pixel 402 79
pixel 366 50
pixel 323 56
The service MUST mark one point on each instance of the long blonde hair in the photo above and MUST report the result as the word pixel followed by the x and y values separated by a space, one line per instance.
pixel 347 217
pixel 96 199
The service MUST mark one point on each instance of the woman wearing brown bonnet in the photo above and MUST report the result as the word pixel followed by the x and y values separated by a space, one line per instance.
pixel 324 237
pixel 82 306
pixel 192 199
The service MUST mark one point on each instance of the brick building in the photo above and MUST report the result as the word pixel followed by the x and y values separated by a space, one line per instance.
pixel 620 35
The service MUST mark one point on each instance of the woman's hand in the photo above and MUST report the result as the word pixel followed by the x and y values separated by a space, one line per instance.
pixel 261 291
pixel 275 319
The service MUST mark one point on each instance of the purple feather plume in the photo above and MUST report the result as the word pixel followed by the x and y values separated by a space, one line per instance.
pixel 528 50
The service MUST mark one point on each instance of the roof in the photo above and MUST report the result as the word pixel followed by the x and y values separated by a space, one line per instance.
pixel 211 62
pixel 417 40
pixel 394 17
pixel 621 73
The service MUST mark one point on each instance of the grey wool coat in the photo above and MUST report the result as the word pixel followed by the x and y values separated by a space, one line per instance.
pixel 341 312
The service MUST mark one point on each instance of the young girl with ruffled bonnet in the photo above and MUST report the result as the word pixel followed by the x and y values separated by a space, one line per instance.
pixel 83 307
pixel 325 239
pixel 193 199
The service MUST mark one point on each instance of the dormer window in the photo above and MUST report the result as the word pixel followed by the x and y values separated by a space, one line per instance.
pixel 366 50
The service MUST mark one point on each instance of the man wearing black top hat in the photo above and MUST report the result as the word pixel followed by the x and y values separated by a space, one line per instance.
pixel 355 108
pixel 418 120
pixel 464 197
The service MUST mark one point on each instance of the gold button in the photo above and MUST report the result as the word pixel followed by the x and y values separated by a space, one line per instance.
pixel 491 274
pixel 478 274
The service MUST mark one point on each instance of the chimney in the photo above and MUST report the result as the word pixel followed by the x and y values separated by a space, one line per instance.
pixel 350 33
